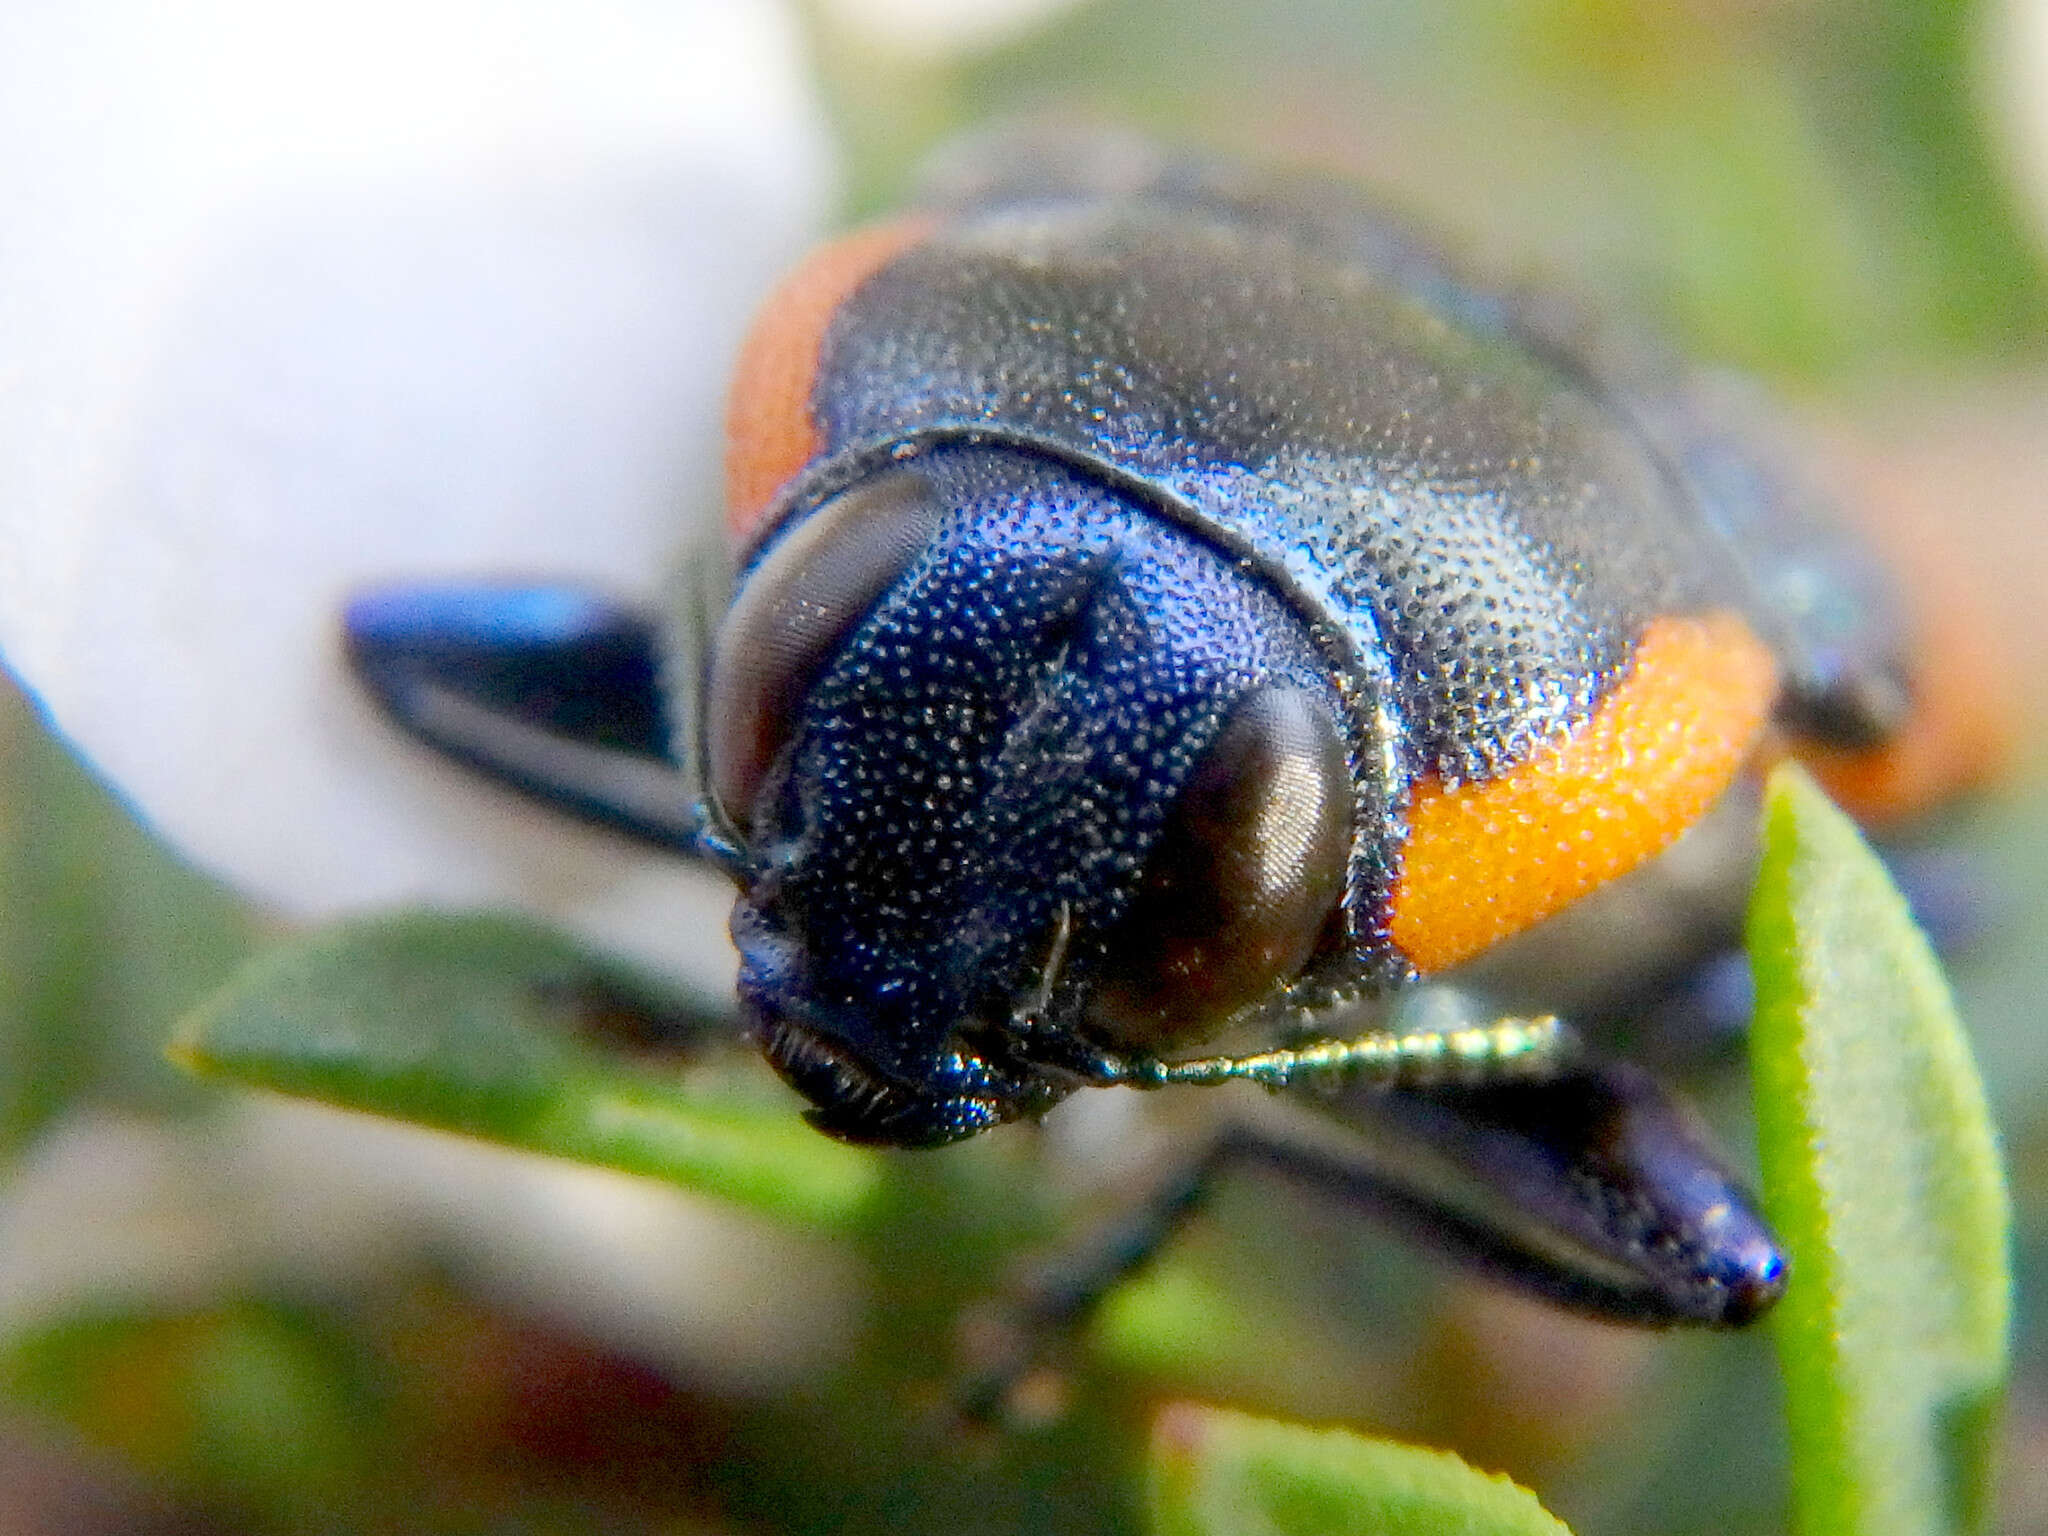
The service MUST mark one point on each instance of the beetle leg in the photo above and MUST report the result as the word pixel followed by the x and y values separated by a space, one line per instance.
pixel 1695 1017
pixel 553 690
pixel 663 1030
pixel 1006 1341
pixel 1592 1189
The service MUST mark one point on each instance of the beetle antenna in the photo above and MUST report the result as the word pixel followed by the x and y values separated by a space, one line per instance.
pixel 1476 1053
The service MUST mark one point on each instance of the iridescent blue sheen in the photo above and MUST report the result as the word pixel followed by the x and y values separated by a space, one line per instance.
pixel 999 741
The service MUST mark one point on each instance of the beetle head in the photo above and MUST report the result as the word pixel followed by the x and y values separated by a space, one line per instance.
pixel 1027 780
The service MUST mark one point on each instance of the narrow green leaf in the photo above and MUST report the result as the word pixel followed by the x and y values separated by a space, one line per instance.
pixel 1881 1173
pixel 1223 1474
pixel 492 1026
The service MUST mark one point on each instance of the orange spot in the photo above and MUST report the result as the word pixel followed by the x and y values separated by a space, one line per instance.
pixel 1953 507
pixel 1959 736
pixel 1488 859
pixel 769 433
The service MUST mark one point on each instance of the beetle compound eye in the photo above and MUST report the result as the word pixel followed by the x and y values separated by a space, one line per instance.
pixel 791 615
pixel 1242 882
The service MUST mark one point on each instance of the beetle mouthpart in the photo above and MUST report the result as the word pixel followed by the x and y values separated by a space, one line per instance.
pixel 853 1102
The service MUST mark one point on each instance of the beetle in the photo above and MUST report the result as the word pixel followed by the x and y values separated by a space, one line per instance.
pixel 1173 621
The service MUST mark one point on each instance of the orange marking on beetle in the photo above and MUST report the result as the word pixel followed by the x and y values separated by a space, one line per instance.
pixel 1489 858
pixel 1967 585
pixel 1960 735
pixel 769 430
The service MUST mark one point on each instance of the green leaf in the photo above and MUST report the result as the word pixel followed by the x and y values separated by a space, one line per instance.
pixel 491 1026
pixel 1219 1474
pixel 1881 1173
pixel 104 939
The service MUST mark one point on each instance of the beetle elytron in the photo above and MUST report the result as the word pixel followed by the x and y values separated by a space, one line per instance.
pixel 1175 613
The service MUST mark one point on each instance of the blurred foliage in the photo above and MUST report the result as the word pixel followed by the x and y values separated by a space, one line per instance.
pixel 255 1405
pixel 103 940
pixel 1881 1175
pixel 1801 186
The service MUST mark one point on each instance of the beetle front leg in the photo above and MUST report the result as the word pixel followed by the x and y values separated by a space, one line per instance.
pixel 665 1031
pixel 553 690
pixel 1004 1342
pixel 1591 1188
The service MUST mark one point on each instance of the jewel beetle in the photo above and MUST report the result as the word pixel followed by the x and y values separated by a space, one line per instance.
pixel 1176 629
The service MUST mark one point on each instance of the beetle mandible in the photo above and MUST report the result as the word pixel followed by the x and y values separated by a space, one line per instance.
pixel 1176 615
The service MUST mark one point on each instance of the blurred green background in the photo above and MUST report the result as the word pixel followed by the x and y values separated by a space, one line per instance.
pixel 1805 188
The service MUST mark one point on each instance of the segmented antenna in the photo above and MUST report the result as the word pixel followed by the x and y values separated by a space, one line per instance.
pixel 1477 1053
